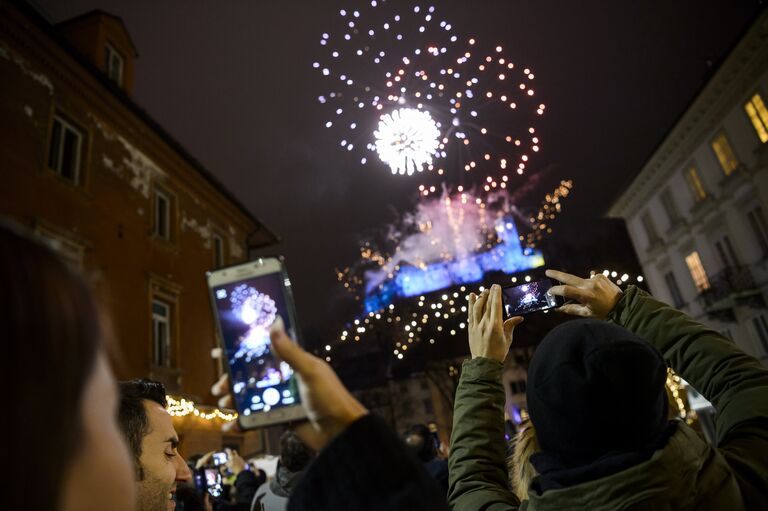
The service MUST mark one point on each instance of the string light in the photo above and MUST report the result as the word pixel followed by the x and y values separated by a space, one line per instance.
pixel 443 310
pixel 676 387
pixel 619 278
pixel 182 407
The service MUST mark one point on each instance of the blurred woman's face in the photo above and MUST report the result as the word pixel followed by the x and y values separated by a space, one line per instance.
pixel 101 474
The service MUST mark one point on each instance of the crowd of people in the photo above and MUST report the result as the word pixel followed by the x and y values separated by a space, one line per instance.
pixel 599 434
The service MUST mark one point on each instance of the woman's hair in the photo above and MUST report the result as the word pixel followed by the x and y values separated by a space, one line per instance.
pixel 519 467
pixel 51 335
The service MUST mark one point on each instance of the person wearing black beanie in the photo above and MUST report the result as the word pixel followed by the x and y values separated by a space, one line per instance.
pixel 597 401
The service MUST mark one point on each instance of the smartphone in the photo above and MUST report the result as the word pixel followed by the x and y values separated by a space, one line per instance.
pixel 220 458
pixel 246 300
pixel 529 297
pixel 213 482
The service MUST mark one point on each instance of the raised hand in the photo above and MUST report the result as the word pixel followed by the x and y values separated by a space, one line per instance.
pixel 329 405
pixel 489 335
pixel 596 296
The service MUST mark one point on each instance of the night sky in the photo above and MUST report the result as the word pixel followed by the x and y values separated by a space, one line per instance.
pixel 233 82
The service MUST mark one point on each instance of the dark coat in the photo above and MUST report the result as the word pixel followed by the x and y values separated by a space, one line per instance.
pixel 686 474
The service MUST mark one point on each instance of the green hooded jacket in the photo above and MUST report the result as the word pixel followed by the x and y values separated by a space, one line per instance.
pixel 687 473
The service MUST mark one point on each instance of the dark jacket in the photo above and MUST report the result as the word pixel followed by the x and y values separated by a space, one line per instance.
pixel 367 468
pixel 687 473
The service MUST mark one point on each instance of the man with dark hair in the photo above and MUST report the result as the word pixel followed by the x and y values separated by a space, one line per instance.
pixel 295 456
pixel 153 441
pixel 419 441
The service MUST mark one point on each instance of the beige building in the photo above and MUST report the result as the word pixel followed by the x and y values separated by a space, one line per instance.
pixel 696 211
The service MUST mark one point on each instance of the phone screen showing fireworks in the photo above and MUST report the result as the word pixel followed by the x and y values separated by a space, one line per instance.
pixel 528 297
pixel 246 310
pixel 213 482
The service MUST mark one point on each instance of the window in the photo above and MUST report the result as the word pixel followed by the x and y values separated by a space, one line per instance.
pixel 113 64
pixel 650 229
pixel 218 251
pixel 674 290
pixel 761 327
pixel 727 254
pixel 670 208
pixel 694 183
pixel 757 222
pixel 757 113
pixel 429 408
pixel 161 333
pixel 697 271
pixel 163 214
pixel 64 149
pixel 724 153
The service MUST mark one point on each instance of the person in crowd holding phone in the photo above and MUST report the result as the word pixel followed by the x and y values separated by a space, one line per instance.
pixel 295 456
pixel 361 463
pixel 424 446
pixel 64 447
pixel 148 428
pixel 596 398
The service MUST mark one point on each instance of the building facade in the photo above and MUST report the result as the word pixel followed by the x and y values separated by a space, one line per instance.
pixel 696 212
pixel 85 167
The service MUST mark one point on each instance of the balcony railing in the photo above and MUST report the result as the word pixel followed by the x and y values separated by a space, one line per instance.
pixel 725 284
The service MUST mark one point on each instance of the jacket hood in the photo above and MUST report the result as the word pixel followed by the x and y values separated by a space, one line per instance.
pixel 680 476
pixel 284 481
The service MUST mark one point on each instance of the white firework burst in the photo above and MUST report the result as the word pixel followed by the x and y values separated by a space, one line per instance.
pixel 382 58
pixel 406 140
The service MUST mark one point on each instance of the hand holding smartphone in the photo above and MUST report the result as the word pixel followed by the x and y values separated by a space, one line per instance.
pixel 247 299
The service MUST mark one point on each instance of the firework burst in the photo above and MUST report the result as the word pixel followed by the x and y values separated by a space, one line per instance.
pixel 380 62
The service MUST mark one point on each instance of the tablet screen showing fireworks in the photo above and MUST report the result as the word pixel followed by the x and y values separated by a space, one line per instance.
pixel 527 298
pixel 246 310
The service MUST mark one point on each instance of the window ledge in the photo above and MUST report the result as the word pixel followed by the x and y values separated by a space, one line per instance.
pixel 164 243
pixel 761 152
pixel 702 207
pixel 728 184
pixel 655 247
pixel 677 226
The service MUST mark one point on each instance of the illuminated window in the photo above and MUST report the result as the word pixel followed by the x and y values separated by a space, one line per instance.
pixel 113 64
pixel 725 154
pixel 64 149
pixel 697 271
pixel 757 113
pixel 694 183
pixel 161 333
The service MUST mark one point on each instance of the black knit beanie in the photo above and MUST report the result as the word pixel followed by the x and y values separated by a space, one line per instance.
pixel 595 388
